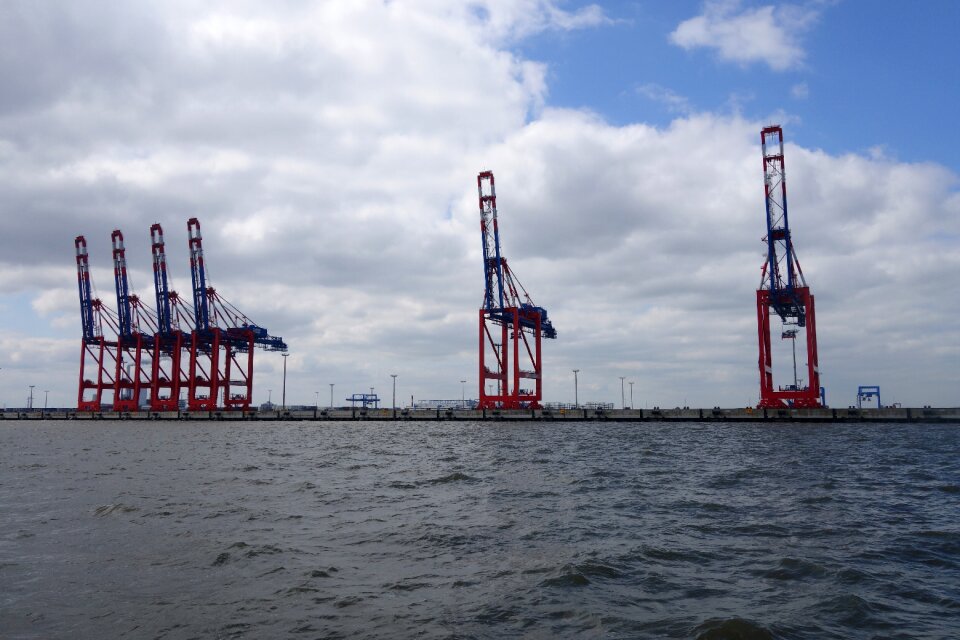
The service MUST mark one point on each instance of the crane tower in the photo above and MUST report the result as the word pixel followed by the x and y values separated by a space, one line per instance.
pixel 510 352
pixel 783 287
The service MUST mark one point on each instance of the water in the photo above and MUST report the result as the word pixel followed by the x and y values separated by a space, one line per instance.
pixel 459 530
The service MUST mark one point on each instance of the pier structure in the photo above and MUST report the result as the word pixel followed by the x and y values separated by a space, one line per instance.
pixel 771 416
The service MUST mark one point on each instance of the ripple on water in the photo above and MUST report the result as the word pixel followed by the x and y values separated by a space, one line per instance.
pixel 796 569
pixel 456 476
pixel 581 574
pixel 113 509
pixel 731 629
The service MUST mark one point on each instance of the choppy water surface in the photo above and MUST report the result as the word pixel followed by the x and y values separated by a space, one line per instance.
pixel 447 530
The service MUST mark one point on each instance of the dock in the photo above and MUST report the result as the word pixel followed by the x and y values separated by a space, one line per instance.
pixel 747 414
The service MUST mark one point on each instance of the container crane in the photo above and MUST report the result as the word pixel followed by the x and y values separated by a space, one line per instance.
pixel 135 336
pixel 507 305
pixel 98 355
pixel 783 287
pixel 222 342
pixel 170 374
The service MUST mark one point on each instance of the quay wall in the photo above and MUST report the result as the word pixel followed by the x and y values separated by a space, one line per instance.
pixel 918 415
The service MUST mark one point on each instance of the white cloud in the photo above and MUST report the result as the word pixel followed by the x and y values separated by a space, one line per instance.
pixel 332 156
pixel 768 34
pixel 800 91
pixel 673 101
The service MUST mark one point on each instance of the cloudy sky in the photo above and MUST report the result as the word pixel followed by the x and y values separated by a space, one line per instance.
pixel 330 150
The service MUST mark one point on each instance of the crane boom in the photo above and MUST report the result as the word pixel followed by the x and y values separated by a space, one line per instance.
pixel 782 270
pixel 120 278
pixel 90 329
pixel 160 283
pixel 198 276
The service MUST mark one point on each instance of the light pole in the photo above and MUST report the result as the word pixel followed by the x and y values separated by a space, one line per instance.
pixel 576 399
pixel 331 395
pixel 463 394
pixel 270 398
pixel 791 334
pixel 284 397
pixel 394 376
pixel 623 399
pixel 30 397
pixel 46 393
pixel 631 394
pixel 316 404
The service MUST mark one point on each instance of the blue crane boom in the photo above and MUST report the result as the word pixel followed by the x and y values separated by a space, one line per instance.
pixel 198 276
pixel 124 314
pixel 502 290
pixel 782 270
pixel 212 310
pixel 91 331
pixel 160 284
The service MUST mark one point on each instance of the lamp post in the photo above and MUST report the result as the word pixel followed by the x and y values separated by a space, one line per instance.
pixel 791 334
pixel 270 398
pixel 284 398
pixel 623 399
pixel 394 376
pixel 576 399
pixel 46 393
pixel 30 397
pixel 316 404
pixel 331 395
pixel 631 394
pixel 463 394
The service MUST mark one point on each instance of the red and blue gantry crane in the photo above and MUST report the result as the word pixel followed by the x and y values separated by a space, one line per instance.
pixel 174 324
pixel 783 287
pixel 154 355
pixel 222 342
pixel 135 337
pixel 98 355
pixel 511 326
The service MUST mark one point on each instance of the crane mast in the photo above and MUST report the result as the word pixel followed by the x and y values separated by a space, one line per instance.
pixel 782 268
pixel 160 284
pixel 122 286
pixel 198 276
pixel 91 331
pixel 490 232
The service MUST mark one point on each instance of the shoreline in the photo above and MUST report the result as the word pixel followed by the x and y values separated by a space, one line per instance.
pixel 907 415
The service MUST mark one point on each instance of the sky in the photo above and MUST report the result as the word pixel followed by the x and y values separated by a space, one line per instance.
pixel 330 150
